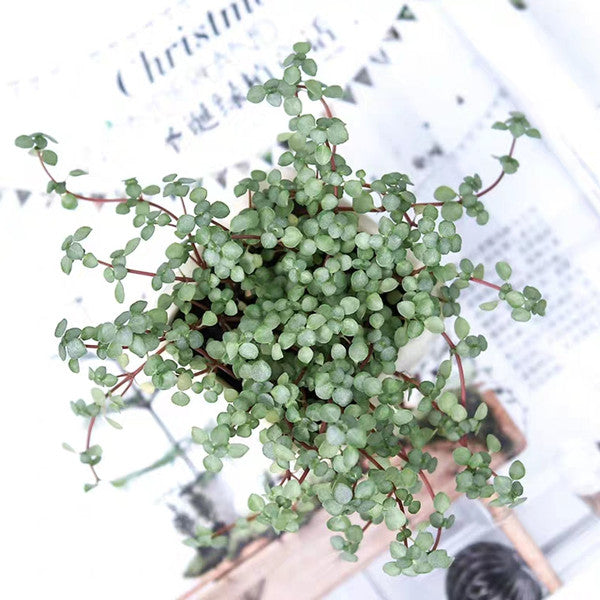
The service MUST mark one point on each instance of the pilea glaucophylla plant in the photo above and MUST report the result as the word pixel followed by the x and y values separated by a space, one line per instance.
pixel 306 313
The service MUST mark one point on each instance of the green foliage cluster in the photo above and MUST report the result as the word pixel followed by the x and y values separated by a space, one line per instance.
pixel 308 312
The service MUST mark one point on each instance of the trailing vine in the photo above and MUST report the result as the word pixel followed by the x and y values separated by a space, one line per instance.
pixel 292 316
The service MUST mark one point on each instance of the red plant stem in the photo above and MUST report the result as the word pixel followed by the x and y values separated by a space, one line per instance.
pixel 431 493
pixel 371 459
pixel 486 283
pixel 250 199
pixel 288 474
pixel 409 220
pixel 229 527
pixel 218 365
pixel 304 475
pixel 478 195
pixel 367 359
pixel 438 537
pixel 146 273
pixel 333 149
pixel 198 260
pixel 244 236
pixel 427 204
pixel 300 376
pixel 219 225
pixel 394 488
pixel 408 379
pixel 128 379
pixel 499 178
pixel 103 200
pixel 461 373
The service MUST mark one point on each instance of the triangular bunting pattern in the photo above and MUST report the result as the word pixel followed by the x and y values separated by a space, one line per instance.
pixel 380 57
pixel 348 96
pixel 221 177
pixel 406 14
pixel 392 35
pixel 99 205
pixel 363 77
pixel 242 166
pixel 256 591
pixel 23 195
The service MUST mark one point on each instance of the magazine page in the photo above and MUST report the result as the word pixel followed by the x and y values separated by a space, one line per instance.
pixel 170 98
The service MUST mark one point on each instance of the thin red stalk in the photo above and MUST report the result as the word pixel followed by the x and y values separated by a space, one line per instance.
pixel 431 493
pixel 482 193
pixel 103 200
pixel 367 359
pixel 438 537
pixel 407 378
pixel 461 373
pixel 333 149
pixel 89 433
pixel 299 378
pixel 218 365
pixel 304 475
pixel 288 474
pixel 127 379
pixel 371 459
pixel 409 220
pixel 499 178
pixel 219 225
pixel 229 527
pixel 146 273
pixel 198 260
pixel 486 283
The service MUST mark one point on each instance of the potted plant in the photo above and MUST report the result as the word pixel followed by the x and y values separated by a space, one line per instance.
pixel 295 311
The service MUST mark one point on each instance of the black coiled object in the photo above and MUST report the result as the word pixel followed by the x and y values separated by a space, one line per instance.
pixel 489 571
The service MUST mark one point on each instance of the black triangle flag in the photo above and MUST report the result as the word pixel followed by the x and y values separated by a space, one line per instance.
pixel 268 157
pixel 380 57
pixel 363 77
pixel 22 195
pixel 392 35
pixel 99 205
pixel 242 166
pixel 406 14
pixel 256 591
pixel 348 96
pixel 221 177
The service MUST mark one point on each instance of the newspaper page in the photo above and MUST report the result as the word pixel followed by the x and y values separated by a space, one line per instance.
pixel 172 97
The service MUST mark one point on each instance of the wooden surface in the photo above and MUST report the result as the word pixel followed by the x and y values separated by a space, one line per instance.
pixel 530 552
pixel 303 565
